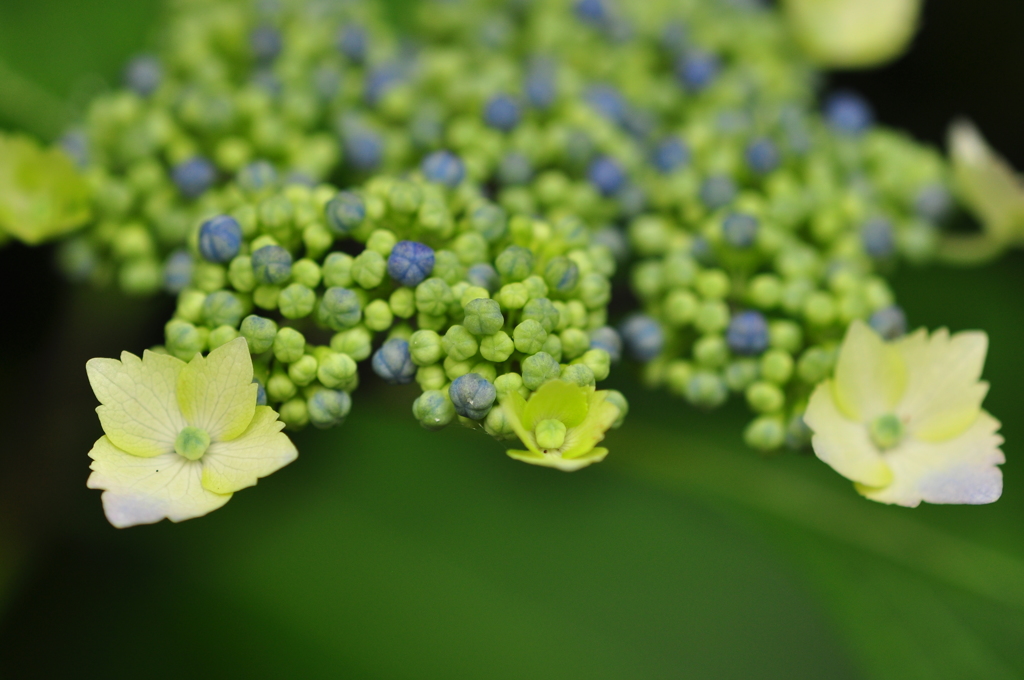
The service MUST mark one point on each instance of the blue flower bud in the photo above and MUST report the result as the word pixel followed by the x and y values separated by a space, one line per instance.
pixel 697 70
pixel 261 393
pixel 143 75
pixel 607 101
pixel 591 11
pixel 607 175
pixel 393 363
pixel 266 43
pixel 889 322
pixel 748 334
pixel 514 263
pixel 515 169
pixel 472 396
pixel 878 237
pixel 489 220
pixel 484 276
pixel 345 212
pixel 194 176
pixel 643 336
pixel 502 113
pixel 178 271
pixel 257 176
pixel 381 80
pixel 848 113
pixel 607 339
pixel 364 149
pixel 220 238
pixel 670 155
pixel 410 263
pixel 352 42
pixel 443 167
pixel 707 390
pixel 702 252
pixel 75 144
pixel 717 191
pixel 433 409
pixel 539 369
pixel 740 230
pixel 272 265
pixel 540 88
pixel 328 408
pixel 933 203
pixel 223 308
pixel 763 156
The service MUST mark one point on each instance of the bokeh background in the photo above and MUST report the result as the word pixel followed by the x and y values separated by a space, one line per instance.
pixel 389 552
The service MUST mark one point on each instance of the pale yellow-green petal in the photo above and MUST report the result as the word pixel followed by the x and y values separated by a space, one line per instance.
pixel 557 462
pixel 601 415
pixel 870 374
pixel 961 470
pixel 852 33
pixel 842 443
pixel 514 405
pixel 216 393
pixel 139 407
pixel 986 183
pixel 146 490
pixel 557 400
pixel 943 395
pixel 259 451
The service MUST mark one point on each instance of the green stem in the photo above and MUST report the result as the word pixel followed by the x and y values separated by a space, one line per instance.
pixel 30 107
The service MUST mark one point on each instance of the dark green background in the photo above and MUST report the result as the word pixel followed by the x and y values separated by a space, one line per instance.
pixel 390 552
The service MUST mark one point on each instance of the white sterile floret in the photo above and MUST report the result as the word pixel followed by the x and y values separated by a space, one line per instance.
pixel 903 419
pixel 180 438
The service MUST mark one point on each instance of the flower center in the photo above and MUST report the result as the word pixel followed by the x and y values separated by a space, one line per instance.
pixel 550 434
pixel 192 443
pixel 886 431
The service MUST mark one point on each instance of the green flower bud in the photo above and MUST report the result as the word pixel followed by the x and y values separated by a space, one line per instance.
pixel 433 297
pixel 448 267
pixel 472 293
pixel 377 316
pixel 223 309
pixel 183 339
pixel 240 274
pixel 777 366
pixel 711 351
pixel 648 280
pixel 878 294
pixel 470 248
pixel 497 424
pixel 497 347
pixel 578 374
pixel 456 369
pixel 713 284
pixel 538 369
pixel 289 345
pixel 766 433
pixel 489 220
pixel 543 311
pixel 431 377
pixel 681 307
pixel 306 272
pixel 402 303
pixel 294 414
pixel 815 365
pixel 259 332
pixel 280 388
pixel 265 297
pixel 317 239
pixel 820 309
pixel 712 316
pixel 209 277
pixel 328 408
pixel 598 361
pixel 785 335
pixel 529 336
pixel 485 369
pixel 514 263
pixel 794 294
pixel 405 197
pixel 575 315
pixel 765 397
pixel 765 291
pixel 430 322
pixel 355 342
pixel 190 305
pixel 140 276
pixel 595 290
pixel 574 343
pixel 425 347
pixel 338 371
pixel 619 400
pixel 459 344
pixel 707 390
pixel 303 371
pixel 739 374
pixel 433 409
pixel 483 317
pixel 650 234
pixel 561 275
pixel 553 346
pixel 337 270
pixel 677 376
pixel 381 241
pixel 513 296
pixel 510 382
pixel 535 287
pixel 368 269
pixel 680 270
pixel 296 301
